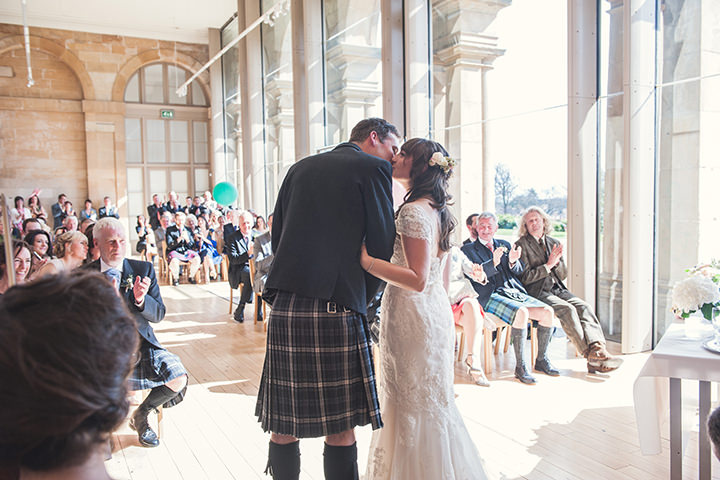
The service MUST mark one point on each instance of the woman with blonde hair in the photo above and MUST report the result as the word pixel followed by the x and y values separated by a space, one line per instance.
pixel 70 249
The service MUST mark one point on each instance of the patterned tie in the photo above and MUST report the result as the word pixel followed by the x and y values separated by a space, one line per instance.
pixel 490 247
pixel 114 275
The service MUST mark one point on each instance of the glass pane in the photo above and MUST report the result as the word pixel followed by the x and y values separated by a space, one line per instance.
pixel 179 183
pixel 158 182
pixel 133 140
pixel 153 84
pixel 176 77
pixel 353 67
pixel 198 96
pixel 202 180
pixel 200 144
pixel 155 141
pixel 687 225
pixel 231 105
pixel 135 180
pixel 610 170
pixel 132 91
pixel 179 144
pixel 278 91
pixel 136 206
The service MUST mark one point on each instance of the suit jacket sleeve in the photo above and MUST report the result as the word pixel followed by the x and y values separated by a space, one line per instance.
pixel 262 260
pixel 535 270
pixel 379 221
pixel 237 253
pixel 153 309
pixel 561 268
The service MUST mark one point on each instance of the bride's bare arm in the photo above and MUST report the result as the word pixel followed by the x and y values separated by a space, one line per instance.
pixel 413 277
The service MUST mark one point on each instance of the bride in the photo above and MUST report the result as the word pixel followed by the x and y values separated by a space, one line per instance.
pixel 424 436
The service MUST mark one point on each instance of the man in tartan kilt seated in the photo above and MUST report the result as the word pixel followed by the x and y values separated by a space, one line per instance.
pixel 318 378
pixel 157 369
pixel 504 295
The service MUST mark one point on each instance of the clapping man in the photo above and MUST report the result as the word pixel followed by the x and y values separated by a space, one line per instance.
pixel 543 276
pixel 108 209
pixel 504 295
pixel 157 369
pixel 58 210
pixel 239 245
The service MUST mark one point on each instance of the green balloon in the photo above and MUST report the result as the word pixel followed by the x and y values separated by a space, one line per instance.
pixel 225 193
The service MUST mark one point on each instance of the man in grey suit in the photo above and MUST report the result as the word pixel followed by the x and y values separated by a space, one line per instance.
pixel 543 278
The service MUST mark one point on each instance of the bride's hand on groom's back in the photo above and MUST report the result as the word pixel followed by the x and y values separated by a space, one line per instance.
pixel 365 259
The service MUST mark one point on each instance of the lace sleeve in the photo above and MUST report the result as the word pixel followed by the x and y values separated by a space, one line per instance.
pixel 413 222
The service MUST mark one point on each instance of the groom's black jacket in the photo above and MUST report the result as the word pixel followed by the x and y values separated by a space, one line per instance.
pixel 327 206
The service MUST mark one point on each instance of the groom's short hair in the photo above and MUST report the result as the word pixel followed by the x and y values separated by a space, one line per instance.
pixel 362 130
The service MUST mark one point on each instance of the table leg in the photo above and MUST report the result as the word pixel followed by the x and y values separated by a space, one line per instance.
pixel 703 441
pixel 675 429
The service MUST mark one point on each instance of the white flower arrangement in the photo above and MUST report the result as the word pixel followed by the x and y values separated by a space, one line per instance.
pixel 445 163
pixel 697 292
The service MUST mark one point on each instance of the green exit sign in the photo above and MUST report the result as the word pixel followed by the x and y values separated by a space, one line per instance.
pixel 167 113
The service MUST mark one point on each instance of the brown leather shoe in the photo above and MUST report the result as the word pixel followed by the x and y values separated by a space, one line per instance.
pixel 599 360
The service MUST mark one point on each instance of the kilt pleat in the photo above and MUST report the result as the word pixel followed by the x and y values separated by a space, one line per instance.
pixel 156 367
pixel 318 377
pixel 505 308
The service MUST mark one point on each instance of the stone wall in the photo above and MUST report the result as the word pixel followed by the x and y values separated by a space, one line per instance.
pixel 65 134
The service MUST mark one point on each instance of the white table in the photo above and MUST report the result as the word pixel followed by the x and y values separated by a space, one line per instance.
pixel 675 357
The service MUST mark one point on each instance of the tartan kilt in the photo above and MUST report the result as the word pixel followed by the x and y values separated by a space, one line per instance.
pixel 156 367
pixel 505 308
pixel 318 377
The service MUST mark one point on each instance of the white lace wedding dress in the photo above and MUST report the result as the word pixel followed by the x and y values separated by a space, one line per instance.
pixel 424 436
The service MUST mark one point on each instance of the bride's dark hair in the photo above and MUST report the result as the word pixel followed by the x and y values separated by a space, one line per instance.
pixel 430 181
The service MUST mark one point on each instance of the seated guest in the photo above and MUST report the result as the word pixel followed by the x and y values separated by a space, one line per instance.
pixel 68 210
pixel 197 208
pixel 85 224
pixel 70 223
pixel 108 209
pixel 209 256
pixel 260 226
pixel 262 248
pixel 154 211
pixel 172 204
pixel 146 238
pixel 240 248
pixel 232 220
pixel 469 221
pixel 208 201
pixel 505 296
pixel 36 208
pixel 165 220
pixel 57 210
pixel 466 310
pixel 157 369
pixel 19 213
pixel 89 212
pixel 188 205
pixel 179 240
pixel 56 425
pixel 93 252
pixel 22 262
pixel 39 241
pixel 31 225
pixel 544 274
pixel 70 250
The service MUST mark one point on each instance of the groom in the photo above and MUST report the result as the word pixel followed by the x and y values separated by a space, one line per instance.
pixel 318 378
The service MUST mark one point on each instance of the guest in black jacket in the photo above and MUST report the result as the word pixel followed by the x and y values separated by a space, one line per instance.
pixel 328 206
pixel 180 242
pixel 240 250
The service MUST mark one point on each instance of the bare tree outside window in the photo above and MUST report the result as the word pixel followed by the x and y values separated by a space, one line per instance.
pixel 504 186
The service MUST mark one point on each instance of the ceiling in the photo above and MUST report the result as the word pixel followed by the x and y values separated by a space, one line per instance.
pixel 175 20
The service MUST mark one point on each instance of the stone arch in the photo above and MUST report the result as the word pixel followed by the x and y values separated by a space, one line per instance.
pixel 13 42
pixel 162 55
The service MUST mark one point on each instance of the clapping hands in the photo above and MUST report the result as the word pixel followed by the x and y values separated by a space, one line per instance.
pixel 515 253
pixel 140 289
pixel 555 256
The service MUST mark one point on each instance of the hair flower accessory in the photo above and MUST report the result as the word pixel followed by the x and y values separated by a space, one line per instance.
pixel 445 163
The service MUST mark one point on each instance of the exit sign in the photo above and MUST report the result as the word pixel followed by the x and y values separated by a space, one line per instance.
pixel 167 113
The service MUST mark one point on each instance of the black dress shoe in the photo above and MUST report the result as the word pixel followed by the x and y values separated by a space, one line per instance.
pixel 176 282
pixel 522 374
pixel 238 315
pixel 544 365
pixel 192 280
pixel 146 436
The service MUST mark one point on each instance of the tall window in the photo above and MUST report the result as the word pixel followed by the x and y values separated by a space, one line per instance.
pixel 278 104
pixel 231 104
pixel 166 136
pixel 353 67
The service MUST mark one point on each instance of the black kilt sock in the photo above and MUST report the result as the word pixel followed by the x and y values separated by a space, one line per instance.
pixel 340 463
pixel 284 461
pixel 158 396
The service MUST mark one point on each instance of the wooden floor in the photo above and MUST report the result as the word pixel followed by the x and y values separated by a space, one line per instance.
pixel 576 426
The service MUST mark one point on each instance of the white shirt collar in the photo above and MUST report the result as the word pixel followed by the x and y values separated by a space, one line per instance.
pixel 104 266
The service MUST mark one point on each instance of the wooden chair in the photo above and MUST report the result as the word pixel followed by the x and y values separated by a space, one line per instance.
pixel 225 263
pixel 163 268
pixel 501 327
pixel 258 298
